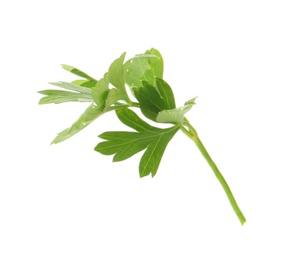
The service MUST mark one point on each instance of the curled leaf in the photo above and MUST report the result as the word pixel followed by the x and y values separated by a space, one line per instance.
pixel 176 115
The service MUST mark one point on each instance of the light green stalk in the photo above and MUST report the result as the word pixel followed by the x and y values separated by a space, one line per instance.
pixel 188 129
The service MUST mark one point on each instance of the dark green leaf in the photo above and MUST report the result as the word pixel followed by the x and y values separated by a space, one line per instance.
pixel 129 118
pixel 77 72
pixel 152 99
pixel 125 144
pixel 151 159
pixel 166 93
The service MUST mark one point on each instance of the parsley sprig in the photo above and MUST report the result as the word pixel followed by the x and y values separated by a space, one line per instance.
pixel 151 94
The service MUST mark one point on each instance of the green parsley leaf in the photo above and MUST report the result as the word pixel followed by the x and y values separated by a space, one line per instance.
pixel 72 87
pixel 85 83
pixel 125 144
pixel 152 99
pixel 77 94
pixel 89 115
pixel 116 75
pixel 103 99
pixel 176 115
pixel 100 92
pixel 60 96
pixel 166 93
pixel 144 67
pixel 144 75
pixel 77 72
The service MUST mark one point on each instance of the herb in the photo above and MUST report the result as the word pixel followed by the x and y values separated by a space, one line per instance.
pixel 154 97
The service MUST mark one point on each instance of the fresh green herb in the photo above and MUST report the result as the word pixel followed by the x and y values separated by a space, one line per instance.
pixel 153 96
pixel 126 144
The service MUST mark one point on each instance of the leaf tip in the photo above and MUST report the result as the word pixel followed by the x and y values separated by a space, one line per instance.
pixel 53 142
pixel 66 67
pixel 53 83
pixel 191 101
pixel 153 174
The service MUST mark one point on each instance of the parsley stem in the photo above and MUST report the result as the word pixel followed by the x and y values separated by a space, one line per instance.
pixel 188 129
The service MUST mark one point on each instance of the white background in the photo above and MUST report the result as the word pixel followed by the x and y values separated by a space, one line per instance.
pixel 68 202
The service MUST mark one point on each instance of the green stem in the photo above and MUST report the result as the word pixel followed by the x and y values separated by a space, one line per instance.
pixel 192 134
pixel 119 105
